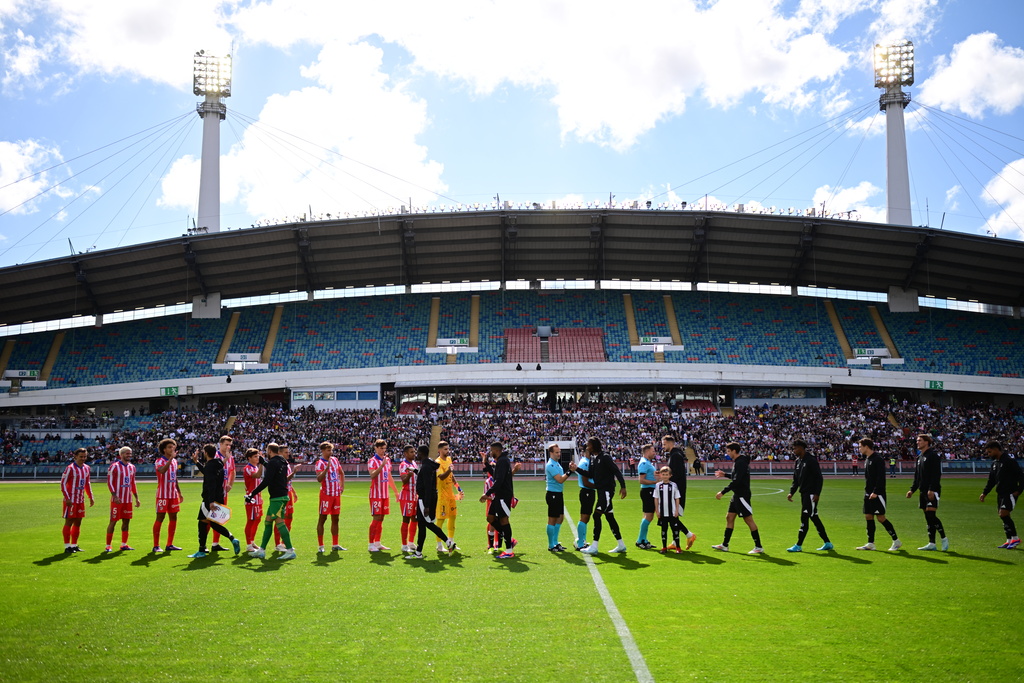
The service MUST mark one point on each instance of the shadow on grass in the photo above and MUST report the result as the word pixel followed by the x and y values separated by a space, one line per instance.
pixel 382 558
pixel 103 556
pixel 976 558
pixel 623 561
pixel 256 565
pixel 516 564
pixel 47 561
pixel 923 558
pixel 148 558
pixel 695 558
pixel 765 557
pixel 197 563
pixel 570 557
pixel 326 559
pixel 839 556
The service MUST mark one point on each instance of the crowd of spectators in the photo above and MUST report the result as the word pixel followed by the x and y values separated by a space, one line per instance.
pixel 831 432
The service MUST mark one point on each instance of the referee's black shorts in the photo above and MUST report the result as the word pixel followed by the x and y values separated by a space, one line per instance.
pixel 587 501
pixel 647 500
pixel 556 503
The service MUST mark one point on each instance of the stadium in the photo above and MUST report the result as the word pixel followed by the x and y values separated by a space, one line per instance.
pixel 530 324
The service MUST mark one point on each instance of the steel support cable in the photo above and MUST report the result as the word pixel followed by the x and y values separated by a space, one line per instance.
pixel 255 122
pixel 84 193
pixel 78 173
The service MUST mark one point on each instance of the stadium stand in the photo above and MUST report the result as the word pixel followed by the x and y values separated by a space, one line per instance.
pixel 29 353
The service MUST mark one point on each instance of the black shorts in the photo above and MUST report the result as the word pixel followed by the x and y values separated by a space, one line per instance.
pixel 647 500
pixel 740 505
pixel 500 508
pixel 1006 502
pixel 556 504
pixel 923 501
pixel 605 502
pixel 874 506
pixel 586 501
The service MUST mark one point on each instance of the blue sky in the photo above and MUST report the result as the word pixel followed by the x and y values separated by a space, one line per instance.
pixel 760 102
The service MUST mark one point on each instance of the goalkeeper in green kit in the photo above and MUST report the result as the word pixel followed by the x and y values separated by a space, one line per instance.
pixel 275 480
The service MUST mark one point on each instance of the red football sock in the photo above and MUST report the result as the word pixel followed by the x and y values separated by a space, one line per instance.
pixel 171 526
pixel 216 538
pixel 405 532
pixel 412 531
pixel 66 531
pixel 319 539
pixel 156 533
pixel 110 539
pixel 75 530
pixel 277 536
pixel 124 537
pixel 372 529
pixel 334 539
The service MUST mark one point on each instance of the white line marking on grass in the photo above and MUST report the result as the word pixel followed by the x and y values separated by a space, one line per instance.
pixel 774 492
pixel 636 659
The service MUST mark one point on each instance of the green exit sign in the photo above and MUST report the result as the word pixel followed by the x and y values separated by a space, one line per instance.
pixel 168 391
pixel 935 385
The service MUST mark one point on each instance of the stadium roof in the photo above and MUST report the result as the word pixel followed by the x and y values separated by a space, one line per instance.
pixel 685 246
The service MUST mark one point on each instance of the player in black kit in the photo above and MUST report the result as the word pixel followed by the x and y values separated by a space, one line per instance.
pixel 740 503
pixel 807 477
pixel 928 478
pixel 1008 481
pixel 874 496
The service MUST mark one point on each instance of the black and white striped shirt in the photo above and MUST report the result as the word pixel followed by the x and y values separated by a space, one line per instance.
pixel 666 494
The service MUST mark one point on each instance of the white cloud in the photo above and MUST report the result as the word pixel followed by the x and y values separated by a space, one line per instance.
pixel 150 39
pixel 605 90
pixel 19 187
pixel 275 175
pixel 898 19
pixel 951 198
pixel 1007 191
pixel 841 200
pixel 979 75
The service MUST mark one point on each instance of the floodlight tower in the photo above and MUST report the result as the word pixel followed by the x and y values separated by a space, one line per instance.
pixel 211 78
pixel 894 68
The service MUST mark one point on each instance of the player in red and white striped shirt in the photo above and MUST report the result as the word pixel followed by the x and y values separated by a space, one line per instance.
pixel 379 467
pixel 74 485
pixel 224 453
pixel 332 484
pixel 168 493
pixel 121 482
pixel 252 475
pixel 408 470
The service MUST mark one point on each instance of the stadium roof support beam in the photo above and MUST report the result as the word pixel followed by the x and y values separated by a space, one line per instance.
pixel 83 280
pixel 407 242
pixel 304 247
pixel 920 256
pixel 698 248
pixel 509 235
pixel 192 261
pixel 597 245
pixel 804 247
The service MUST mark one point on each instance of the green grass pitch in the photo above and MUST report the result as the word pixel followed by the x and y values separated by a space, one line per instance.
pixel 356 616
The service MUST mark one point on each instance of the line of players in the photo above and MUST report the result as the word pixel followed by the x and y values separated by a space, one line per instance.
pixel 430 493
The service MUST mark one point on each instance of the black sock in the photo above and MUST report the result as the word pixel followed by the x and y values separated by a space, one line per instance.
pixel 597 528
pixel 1010 527
pixel 664 536
pixel 887 525
pixel 757 538
pixel 682 527
pixel 930 519
pixel 675 534
pixel 802 534
pixel 938 526
pixel 204 530
pixel 490 539
pixel 871 530
pixel 728 535
pixel 506 530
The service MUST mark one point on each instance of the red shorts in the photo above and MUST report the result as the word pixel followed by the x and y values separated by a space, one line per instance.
pixel 254 511
pixel 289 509
pixel 380 506
pixel 408 508
pixel 73 510
pixel 172 505
pixel 330 505
pixel 120 511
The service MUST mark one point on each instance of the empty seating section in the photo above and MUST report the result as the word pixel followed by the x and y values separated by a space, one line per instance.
pixel 521 345
pixel 938 340
pixel 251 333
pixel 171 347
pixel 753 329
pixel 369 332
pixel 30 353
pixel 859 327
pixel 65 447
pixel 577 345
pixel 354 333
